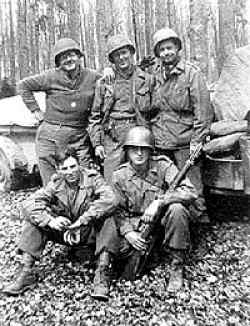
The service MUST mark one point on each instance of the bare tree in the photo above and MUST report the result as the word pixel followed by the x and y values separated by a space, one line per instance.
pixel 226 30
pixel 199 13
pixel 12 46
pixel 73 11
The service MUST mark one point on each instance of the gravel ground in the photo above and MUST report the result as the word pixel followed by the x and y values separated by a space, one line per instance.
pixel 216 290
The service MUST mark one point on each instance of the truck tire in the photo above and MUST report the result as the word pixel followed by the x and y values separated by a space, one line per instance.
pixel 5 172
pixel 12 164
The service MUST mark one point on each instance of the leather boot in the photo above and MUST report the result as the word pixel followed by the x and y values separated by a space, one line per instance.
pixel 176 271
pixel 102 277
pixel 23 282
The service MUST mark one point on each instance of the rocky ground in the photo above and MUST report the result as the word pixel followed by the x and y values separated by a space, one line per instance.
pixel 216 291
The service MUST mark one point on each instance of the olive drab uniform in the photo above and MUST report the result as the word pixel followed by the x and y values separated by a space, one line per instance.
pixel 117 108
pixel 68 103
pixel 185 113
pixel 93 198
pixel 136 192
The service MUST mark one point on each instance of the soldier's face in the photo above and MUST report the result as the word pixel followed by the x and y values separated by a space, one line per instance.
pixel 168 52
pixel 69 60
pixel 70 170
pixel 122 58
pixel 138 156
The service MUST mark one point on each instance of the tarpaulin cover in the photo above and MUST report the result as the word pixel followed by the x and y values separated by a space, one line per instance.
pixel 13 111
pixel 231 99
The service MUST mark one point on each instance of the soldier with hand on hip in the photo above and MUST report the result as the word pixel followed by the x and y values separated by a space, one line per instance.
pixel 69 90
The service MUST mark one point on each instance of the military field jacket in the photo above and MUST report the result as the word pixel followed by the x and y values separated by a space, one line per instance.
pixel 68 102
pixel 122 96
pixel 135 193
pixel 93 198
pixel 185 113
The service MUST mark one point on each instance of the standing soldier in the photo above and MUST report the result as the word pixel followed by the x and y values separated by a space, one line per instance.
pixel 185 113
pixel 117 107
pixel 69 92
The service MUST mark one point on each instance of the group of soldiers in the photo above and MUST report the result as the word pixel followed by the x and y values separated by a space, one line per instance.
pixel 140 128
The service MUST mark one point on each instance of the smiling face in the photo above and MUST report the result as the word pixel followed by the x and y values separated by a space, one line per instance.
pixel 70 170
pixel 138 156
pixel 122 58
pixel 69 60
pixel 168 51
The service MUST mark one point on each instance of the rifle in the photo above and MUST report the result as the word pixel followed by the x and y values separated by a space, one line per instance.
pixel 138 259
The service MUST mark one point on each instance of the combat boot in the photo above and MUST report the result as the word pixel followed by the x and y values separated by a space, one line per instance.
pixel 24 281
pixel 176 271
pixel 102 277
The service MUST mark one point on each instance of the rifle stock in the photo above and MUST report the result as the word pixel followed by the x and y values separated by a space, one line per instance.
pixel 138 259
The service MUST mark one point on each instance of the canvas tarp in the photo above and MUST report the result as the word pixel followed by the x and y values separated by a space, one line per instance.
pixel 231 98
pixel 13 111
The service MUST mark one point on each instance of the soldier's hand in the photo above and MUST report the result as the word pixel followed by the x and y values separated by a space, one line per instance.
pixel 136 240
pixel 151 211
pixel 82 220
pixel 72 237
pixel 100 152
pixel 59 223
pixel 146 62
pixel 38 114
pixel 108 75
pixel 193 147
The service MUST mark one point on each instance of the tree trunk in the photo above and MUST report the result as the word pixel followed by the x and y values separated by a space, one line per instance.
pixel 226 29
pixel 134 24
pixel 23 54
pixel 148 19
pixel 12 47
pixel 160 14
pixel 73 11
pixel 50 14
pixel 199 13
pixel 104 28
pixel 240 23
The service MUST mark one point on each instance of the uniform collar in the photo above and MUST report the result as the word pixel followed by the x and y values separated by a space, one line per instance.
pixel 151 175
pixel 178 69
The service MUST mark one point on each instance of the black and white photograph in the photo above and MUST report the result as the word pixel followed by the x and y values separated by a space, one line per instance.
pixel 124 163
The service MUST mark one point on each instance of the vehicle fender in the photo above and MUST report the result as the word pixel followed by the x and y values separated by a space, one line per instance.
pixel 14 153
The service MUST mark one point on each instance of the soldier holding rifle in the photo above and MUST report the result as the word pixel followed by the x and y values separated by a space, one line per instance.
pixel 141 185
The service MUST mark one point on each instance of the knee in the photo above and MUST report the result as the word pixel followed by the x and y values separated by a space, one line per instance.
pixel 176 214
pixel 177 209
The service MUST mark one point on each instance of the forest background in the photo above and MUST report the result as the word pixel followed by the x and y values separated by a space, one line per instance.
pixel 210 31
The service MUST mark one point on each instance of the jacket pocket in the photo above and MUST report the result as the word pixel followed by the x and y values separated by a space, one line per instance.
pixel 179 99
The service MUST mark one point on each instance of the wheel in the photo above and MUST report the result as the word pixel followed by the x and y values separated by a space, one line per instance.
pixel 5 172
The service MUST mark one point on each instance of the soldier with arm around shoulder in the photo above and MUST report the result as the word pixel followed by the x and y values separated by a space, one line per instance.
pixel 119 105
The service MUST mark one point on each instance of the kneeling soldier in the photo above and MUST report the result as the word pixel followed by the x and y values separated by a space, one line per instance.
pixel 139 183
pixel 70 210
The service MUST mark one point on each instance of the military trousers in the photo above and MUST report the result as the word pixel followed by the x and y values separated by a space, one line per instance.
pixel 179 157
pixel 33 238
pixel 174 225
pixel 51 137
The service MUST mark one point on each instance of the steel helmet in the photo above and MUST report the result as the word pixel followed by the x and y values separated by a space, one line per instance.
pixel 139 136
pixel 117 42
pixel 162 35
pixel 63 45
